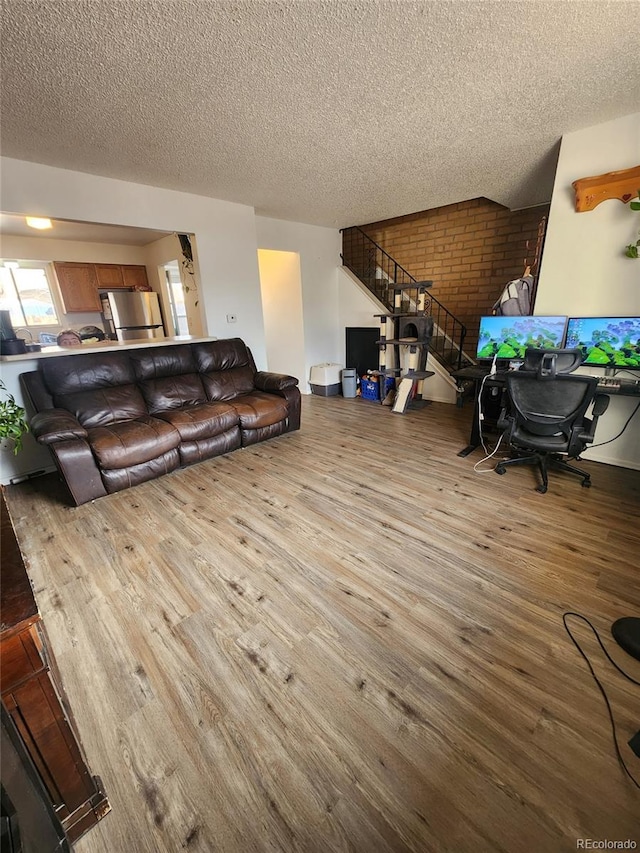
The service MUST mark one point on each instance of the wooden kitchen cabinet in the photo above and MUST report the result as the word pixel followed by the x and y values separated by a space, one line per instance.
pixel 135 276
pixel 109 276
pixel 78 286
pixel 33 696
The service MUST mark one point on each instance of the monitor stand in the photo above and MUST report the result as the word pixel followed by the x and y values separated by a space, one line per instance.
pixel 609 371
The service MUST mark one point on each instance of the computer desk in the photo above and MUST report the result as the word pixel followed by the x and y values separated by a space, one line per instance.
pixel 609 385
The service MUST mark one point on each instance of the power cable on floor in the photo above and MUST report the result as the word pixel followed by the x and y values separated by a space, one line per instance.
pixel 600 687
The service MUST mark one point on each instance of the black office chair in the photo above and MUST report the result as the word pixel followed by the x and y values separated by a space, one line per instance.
pixel 546 420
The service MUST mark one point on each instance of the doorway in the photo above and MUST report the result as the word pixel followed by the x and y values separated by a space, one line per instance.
pixel 281 289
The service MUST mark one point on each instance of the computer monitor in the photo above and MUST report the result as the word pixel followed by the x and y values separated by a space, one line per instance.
pixel 606 341
pixel 507 338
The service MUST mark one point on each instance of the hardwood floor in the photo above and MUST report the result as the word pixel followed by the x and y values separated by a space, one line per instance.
pixel 344 639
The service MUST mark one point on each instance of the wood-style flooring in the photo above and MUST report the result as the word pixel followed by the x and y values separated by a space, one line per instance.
pixel 344 639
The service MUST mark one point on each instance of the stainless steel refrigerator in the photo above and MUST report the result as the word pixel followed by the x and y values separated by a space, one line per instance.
pixel 131 315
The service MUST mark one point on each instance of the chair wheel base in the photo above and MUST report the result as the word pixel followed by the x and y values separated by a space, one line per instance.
pixel 586 484
pixel 500 469
pixel 542 489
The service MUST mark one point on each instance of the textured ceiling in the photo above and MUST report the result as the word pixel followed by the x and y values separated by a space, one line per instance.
pixel 333 112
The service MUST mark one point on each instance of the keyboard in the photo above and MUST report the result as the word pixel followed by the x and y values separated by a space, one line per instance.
pixel 618 385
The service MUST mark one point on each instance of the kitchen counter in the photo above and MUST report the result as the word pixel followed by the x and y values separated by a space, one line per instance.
pixel 103 346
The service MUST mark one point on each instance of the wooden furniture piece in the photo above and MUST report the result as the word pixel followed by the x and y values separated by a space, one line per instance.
pixel 78 287
pixel 109 276
pixel 80 284
pixel 135 276
pixel 33 696
pixel 623 185
pixel 28 820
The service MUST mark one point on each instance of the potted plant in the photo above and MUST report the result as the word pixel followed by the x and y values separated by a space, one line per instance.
pixel 13 423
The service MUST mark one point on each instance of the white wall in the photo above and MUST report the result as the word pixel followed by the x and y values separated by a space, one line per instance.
pixel 227 263
pixel 584 272
pixel 319 250
pixel 281 285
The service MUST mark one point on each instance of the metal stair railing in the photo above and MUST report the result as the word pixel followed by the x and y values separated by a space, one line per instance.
pixel 381 274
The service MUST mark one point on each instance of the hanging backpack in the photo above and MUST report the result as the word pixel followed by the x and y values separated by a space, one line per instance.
pixel 515 299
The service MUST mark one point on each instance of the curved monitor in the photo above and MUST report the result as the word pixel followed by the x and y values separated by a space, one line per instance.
pixel 508 337
pixel 606 341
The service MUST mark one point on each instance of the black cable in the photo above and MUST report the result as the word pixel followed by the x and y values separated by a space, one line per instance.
pixel 609 440
pixel 600 687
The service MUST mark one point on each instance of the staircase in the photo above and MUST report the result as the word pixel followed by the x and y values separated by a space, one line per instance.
pixel 383 275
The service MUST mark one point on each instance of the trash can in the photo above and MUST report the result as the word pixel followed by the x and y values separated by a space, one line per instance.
pixel 349 382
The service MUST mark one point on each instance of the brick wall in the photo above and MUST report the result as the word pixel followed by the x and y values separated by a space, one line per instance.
pixel 470 250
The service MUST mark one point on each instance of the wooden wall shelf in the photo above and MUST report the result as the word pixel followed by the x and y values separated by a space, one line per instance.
pixel 623 185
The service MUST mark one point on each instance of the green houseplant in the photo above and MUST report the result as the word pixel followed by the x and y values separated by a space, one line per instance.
pixel 631 251
pixel 13 423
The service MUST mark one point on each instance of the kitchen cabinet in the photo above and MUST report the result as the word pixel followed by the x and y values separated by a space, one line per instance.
pixel 80 283
pixel 109 276
pixel 135 276
pixel 33 696
pixel 78 287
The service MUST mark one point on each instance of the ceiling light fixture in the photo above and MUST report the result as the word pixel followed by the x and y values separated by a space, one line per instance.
pixel 38 222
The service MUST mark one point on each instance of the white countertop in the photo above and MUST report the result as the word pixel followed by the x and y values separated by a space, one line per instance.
pixel 103 346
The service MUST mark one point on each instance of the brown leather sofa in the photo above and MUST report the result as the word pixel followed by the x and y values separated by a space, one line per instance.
pixel 115 419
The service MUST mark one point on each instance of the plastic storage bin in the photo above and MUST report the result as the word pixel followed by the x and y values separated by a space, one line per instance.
pixel 349 382
pixel 325 379
pixel 370 389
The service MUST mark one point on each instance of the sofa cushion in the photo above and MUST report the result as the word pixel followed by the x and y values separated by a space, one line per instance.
pixel 69 374
pixel 172 392
pixel 227 368
pixel 115 479
pixel 253 436
pixel 96 390
pixel 129 443
pixel 260 410
pixel 203 421
pixel 158 362
pixel 206 448
pixel 104 406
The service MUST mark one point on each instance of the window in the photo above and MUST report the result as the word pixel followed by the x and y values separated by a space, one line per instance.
pixel 25 292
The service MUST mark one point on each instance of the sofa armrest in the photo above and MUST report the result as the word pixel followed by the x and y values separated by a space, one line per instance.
pixel 273 382
pixel 55 425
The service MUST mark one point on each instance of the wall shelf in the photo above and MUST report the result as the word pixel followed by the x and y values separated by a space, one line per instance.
pixel 623 185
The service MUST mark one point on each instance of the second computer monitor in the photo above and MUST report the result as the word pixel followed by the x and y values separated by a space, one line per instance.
pixel 606 341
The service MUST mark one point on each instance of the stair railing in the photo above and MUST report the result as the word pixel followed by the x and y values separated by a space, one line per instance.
pixel 381 273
